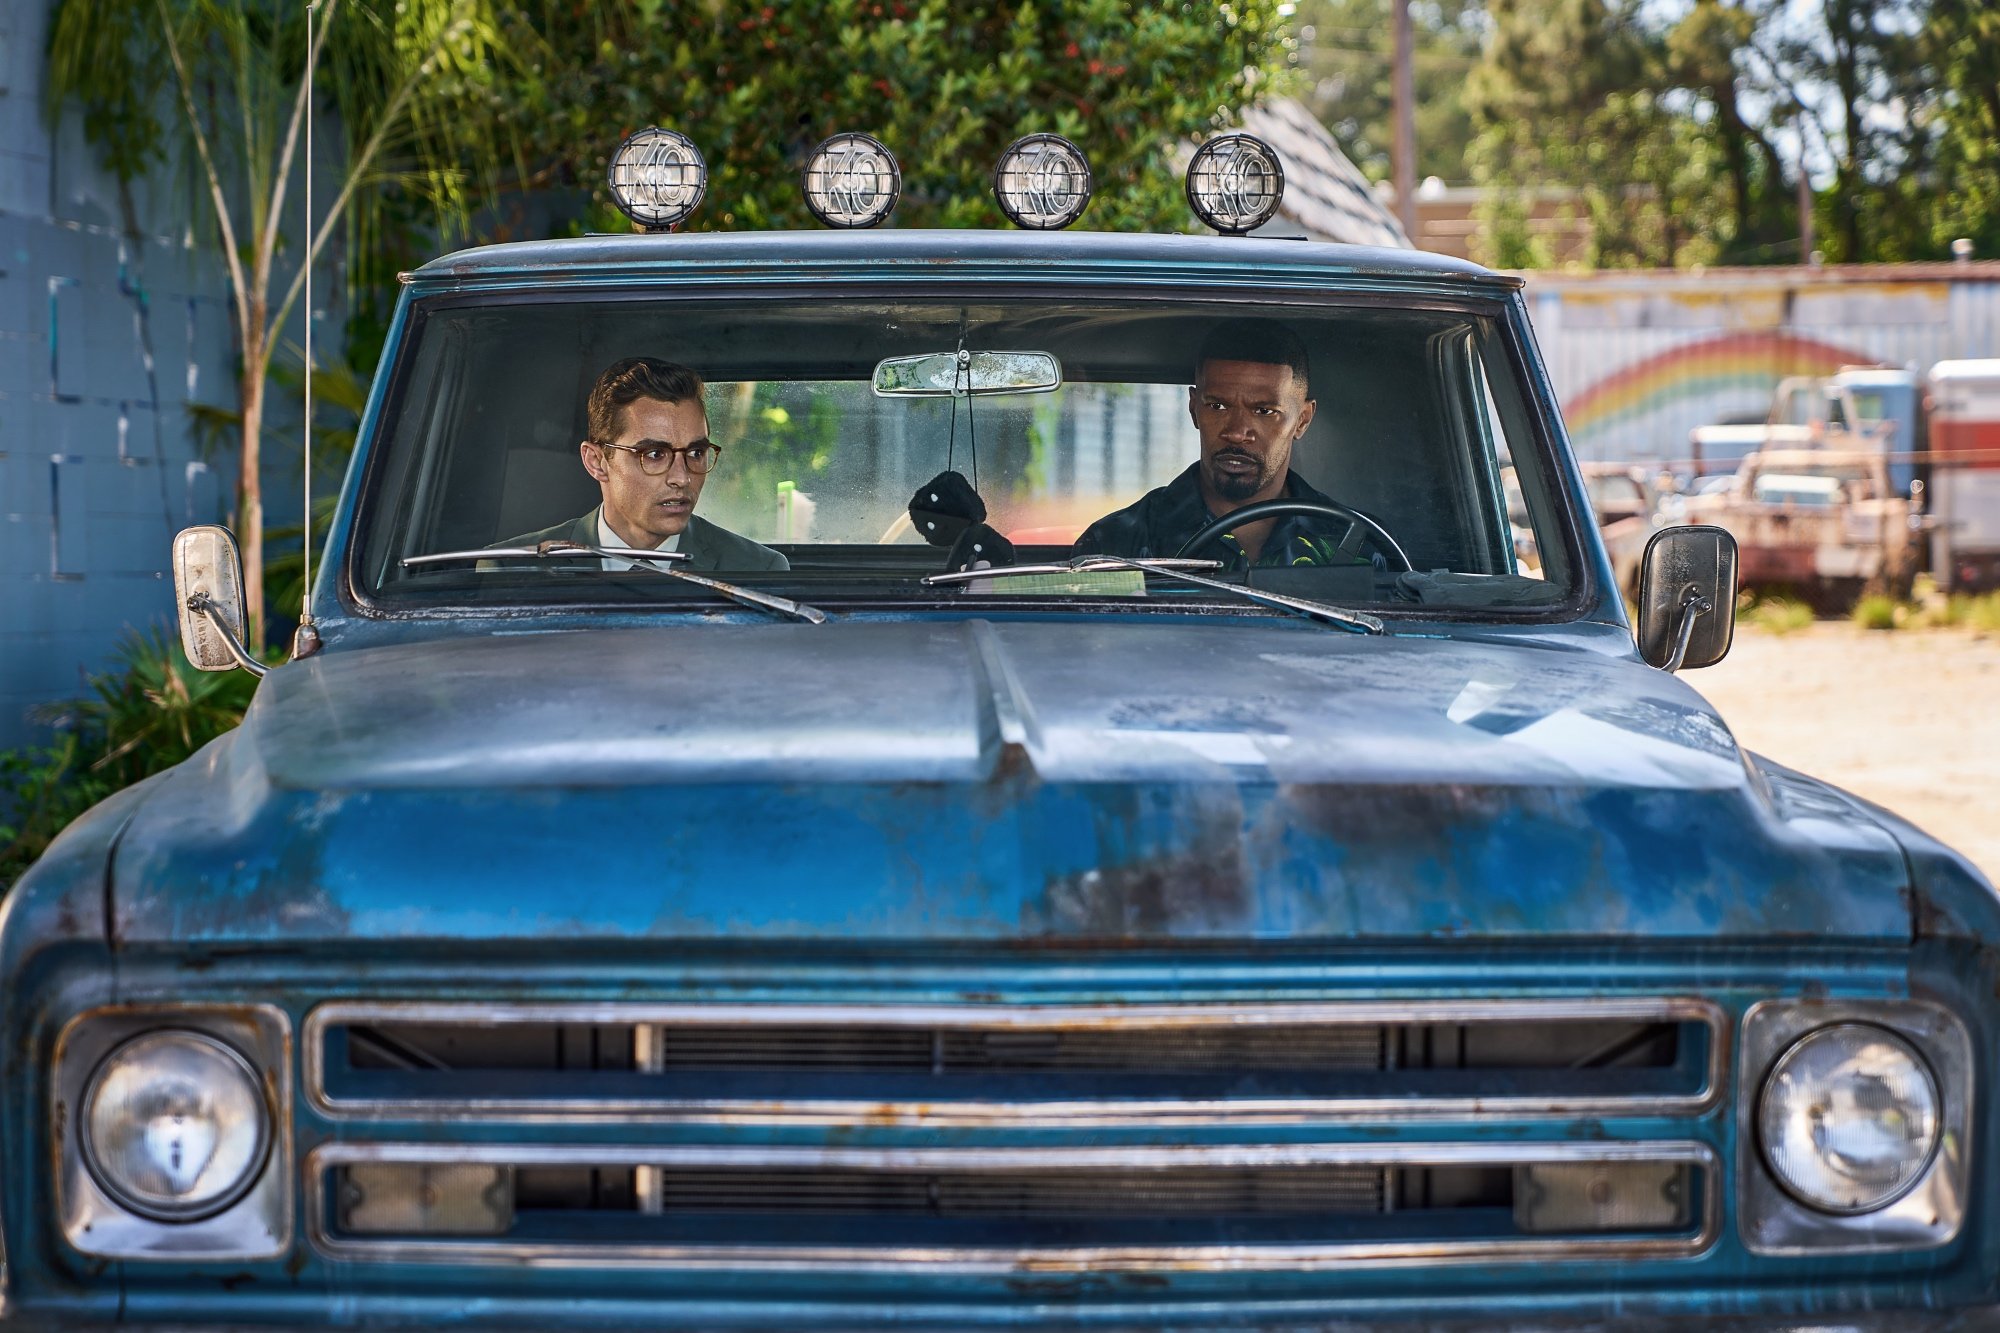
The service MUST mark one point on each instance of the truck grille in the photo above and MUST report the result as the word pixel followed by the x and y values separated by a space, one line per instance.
pixel 1285 1205
pixel 1022 1194
pixel 985 1063
pixel 988 1137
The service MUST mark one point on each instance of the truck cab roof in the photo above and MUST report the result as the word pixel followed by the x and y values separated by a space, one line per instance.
pixel 881 254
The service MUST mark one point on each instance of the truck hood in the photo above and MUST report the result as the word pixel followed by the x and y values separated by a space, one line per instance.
pixel 1084 780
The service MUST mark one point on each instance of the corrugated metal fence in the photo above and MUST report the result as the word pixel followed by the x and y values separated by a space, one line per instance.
pixel 1641 358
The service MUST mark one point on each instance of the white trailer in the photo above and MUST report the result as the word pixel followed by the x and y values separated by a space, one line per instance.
pixel 1963 400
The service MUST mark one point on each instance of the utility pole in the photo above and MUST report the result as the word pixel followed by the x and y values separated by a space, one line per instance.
pixel 1805 203
pixel 1404 168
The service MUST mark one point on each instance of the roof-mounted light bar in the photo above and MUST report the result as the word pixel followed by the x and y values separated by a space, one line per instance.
pixel 851 180
pixel 657 177
pixel 1043 182
pixel 1235 183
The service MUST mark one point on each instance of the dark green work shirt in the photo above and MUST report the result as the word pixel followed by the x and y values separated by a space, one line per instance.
pixel 1158 522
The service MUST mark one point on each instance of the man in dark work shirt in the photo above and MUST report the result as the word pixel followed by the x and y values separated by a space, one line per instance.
pixel 1252 398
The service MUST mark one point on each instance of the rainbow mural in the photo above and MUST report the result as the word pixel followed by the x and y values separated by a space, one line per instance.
pixel 1755 361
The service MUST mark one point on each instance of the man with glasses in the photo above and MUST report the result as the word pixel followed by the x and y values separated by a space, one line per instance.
pixel 648 451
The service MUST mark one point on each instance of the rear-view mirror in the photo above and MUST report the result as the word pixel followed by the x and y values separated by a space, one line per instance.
pixel 945 374
pixel 1687 597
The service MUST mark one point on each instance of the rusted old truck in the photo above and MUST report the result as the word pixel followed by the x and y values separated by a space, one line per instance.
pixel 645 900
pixel 1861 408
pixel 1940 432
pixel 1820 522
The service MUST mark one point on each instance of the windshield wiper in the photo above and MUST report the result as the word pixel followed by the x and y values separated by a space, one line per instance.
pixel 1175 569
pixel 550 550
pixel 553 550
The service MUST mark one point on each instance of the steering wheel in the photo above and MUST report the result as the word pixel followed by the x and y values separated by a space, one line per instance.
pixel 1359 525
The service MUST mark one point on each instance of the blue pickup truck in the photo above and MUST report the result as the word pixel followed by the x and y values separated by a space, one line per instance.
pixel 939 779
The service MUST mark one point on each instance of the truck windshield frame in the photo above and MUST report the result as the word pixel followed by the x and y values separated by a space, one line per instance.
pixel 1502 365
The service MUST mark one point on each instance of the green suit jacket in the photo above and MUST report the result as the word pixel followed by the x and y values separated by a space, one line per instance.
pixel 707 546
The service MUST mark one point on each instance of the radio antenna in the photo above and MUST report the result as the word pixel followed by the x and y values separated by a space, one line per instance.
pixel 306 641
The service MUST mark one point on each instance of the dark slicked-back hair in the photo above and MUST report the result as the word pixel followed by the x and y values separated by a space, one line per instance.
pixel 1262 340
pixel 628 381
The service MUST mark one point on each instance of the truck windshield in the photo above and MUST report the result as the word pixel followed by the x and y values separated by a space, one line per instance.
pixel 778 460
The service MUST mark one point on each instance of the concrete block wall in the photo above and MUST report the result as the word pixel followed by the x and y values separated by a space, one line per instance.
pixel 104 341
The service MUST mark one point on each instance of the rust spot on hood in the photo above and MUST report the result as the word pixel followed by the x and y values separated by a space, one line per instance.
pixel 1205 889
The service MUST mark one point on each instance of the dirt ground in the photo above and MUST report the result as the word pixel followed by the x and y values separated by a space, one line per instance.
pixel 1909 719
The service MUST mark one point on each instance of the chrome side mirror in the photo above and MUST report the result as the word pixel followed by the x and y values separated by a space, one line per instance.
pixel 208 590
pixel 1687 597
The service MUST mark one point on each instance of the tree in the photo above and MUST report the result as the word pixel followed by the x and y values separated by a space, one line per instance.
pixel 1346 52
pixel 1962 42
pixel 1705 54
pixel 394 74
pixel 1574 94
pixel 1653 115
pixel 1852 76
pixel 946 84
pixel 1646 118
pixel 429 108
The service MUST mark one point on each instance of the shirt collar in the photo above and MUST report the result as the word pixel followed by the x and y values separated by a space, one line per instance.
pixel 606 537
pixel 1188 511
pixel 1184 492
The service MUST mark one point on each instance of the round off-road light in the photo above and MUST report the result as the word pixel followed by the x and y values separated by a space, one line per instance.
pixel 852 181
pixel 175 1125
pixel 657 177
pixel 1235 183
pixel 1848 1119
pixel 1042 182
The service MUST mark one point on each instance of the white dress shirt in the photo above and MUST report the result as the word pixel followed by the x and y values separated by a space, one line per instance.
pixel 607 538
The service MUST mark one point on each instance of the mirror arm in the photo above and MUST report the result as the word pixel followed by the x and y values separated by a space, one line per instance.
pixel 202 604
pixel 1693 607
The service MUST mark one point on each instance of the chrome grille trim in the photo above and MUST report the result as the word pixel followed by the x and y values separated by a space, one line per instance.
pixel 1154 1111
pixel 322 1161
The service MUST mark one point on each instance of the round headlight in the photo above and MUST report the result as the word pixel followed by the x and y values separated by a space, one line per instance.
pixel 657 177
pixel 1043 182
pixel 1235 183
pixel 852 181
pixel 1849 1118
pixel 175 1126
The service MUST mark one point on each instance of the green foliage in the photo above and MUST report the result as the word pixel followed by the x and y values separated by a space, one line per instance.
pixel 1578 95
pixel 1674 128
pixel 285 561
pixel 149 713
pixel 1875 611
pixel 1774 615
pixel 42 788
pixel 1982 613
pixel 399 73
pixel 778 434
pixel 340 395
pixel 1962 43
pixel 1977 612
pixel 1508 238
pixel 1346 52
pixel 945 83
pixel 110 59
pixel 92 56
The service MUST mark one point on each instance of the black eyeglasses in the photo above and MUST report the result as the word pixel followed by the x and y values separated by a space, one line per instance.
pixel 655 458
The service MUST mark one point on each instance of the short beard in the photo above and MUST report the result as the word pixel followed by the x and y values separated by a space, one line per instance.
pixel 1231 486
